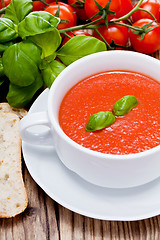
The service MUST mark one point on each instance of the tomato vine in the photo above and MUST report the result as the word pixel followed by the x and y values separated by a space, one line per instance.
pixel 32 53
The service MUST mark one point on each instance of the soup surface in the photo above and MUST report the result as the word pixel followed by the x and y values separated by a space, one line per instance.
pixel 134 132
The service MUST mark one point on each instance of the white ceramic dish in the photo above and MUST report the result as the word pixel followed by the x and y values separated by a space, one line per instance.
pixel 74 193
pixel 105 170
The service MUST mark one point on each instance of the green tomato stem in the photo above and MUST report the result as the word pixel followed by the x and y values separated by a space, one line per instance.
pixel 89 25
pixel 130 13
pixel 78 27
pixel 42 1
pixel 71 29
pixel 144 10
pixel 125 25
pixel 67 35
pixel 108 45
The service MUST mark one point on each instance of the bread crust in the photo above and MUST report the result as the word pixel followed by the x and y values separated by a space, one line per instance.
pixel 20 112
pixel 13 198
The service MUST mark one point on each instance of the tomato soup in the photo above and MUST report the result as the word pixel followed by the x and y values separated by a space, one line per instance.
pixel 134 132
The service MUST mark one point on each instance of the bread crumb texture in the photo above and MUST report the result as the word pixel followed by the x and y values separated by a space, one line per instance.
pixel 13 197
pixel 20 112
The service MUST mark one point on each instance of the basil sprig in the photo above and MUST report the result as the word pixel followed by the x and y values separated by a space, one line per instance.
pixel 21 63
pixel 17 10
pixel 50 70
pixel 124 105
pixel 8 31
pixel 37 23
pixel 78 47
pixel 102 120
pixel 31 52
pixel 99 121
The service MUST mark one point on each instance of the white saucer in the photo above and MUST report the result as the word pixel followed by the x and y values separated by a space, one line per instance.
pixel 72 192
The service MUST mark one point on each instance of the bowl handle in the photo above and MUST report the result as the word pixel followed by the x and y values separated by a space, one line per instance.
pixel 37 137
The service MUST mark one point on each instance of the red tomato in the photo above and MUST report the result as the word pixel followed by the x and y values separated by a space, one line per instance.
pixel 116 33
pixel 151 40
pixel 153 6
pixel 39 6
pixel 92 9
pixel 71 9
pixel 81 14
pixel 73 33
pixel 126 7
pixel 66 13
pixel 6 3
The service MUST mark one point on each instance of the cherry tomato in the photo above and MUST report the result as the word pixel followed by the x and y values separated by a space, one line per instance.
pixel 39 6
pixel 72 10
pixel 66 12
pixel 81 14
pixel 153 6
pixel 151 40
pixel 6 3
pixel 92 9
pixel 116 33
pixel 126 7
pixel 73 33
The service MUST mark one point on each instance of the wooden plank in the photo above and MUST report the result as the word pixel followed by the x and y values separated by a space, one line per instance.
pixel 37 222
pixel 44 219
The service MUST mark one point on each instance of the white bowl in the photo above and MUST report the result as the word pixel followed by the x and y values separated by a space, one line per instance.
pixel 106 170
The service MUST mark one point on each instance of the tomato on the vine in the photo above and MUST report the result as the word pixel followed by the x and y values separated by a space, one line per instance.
pixel 39 6
pixel 71 9
pixel 79 8
pixel 73 33
pixel 153 6
pixel 151 41
pixel 92 9
pixel 6 3
pixel 116 33
pixel 65 12
pixel 126 7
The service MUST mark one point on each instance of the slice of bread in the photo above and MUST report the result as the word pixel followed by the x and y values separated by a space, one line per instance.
pixel 13 196
pixel 20 112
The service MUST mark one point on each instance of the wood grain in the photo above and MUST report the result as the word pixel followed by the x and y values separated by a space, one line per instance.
pixel 39 220
pixel 44 219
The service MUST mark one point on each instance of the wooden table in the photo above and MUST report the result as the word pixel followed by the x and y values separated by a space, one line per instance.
pixel 45 219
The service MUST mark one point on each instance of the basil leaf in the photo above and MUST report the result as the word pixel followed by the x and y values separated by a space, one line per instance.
pixel 18 9
pixel 1 68
pixel 7 30
pixel 51 71
pixel 37 23
pixel 4 46
pixel 124 105
pixel 19 97
pixel 48 42
pixel 99 121
pixel 78 47
pixel 21 62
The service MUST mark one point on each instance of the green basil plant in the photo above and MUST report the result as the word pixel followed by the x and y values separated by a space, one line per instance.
pixel 31 53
